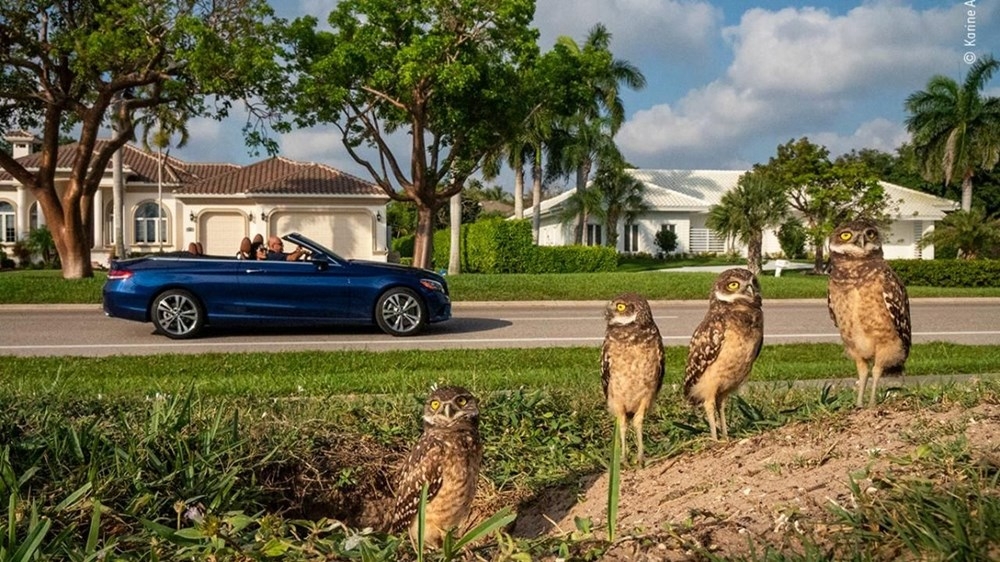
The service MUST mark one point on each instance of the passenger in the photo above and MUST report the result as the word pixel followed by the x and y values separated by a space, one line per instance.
pixel 276 250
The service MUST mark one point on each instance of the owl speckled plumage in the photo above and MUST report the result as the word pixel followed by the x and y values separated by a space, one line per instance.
pixel 447 458
pixel 725 345
pixel 631 363
pixel 868 303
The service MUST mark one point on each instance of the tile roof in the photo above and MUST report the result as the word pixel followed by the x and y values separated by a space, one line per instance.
pixel 281 176
pixel 274 176
pixel 700 189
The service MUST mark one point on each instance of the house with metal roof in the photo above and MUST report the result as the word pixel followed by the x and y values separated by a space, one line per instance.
pixel 680 200
pixel 169 203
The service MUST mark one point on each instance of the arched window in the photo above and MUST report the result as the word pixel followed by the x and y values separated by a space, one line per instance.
pixel 8 224
pixel 147 215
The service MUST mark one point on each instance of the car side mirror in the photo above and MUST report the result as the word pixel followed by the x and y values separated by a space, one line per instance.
pixel 321 265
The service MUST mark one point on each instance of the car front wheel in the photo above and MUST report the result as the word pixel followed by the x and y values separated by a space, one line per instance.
pixel 400 312
pixel 177 314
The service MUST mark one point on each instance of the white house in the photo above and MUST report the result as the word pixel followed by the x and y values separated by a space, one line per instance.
pixel 214 204
pixel 680 199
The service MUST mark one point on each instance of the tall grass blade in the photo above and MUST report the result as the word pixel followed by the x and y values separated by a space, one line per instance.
pixel 421 523
pixel 95 529
pixel 614 482
pixel 499 520
pixel 32 542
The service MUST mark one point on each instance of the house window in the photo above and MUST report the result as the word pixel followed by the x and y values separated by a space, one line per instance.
pixel 147 216
pixel 918 235
pixel 8 228
pixel 594 235
pixel 630 240
pixel 33 217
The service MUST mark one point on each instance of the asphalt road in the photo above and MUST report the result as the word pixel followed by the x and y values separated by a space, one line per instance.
pixel 85 331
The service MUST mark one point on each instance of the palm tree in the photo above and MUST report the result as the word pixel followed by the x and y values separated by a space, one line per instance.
pixel 969 232
pixel 621 196
pixel 955 130
pixel 587 134
pixel 578 208
pixel 744 212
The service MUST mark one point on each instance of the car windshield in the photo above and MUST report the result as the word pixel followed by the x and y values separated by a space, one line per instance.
pixel 312 245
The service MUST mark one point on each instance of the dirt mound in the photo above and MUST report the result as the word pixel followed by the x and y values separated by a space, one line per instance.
pixel 763 490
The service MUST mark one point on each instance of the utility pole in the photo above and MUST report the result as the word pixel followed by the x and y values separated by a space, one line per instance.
pixel 454 256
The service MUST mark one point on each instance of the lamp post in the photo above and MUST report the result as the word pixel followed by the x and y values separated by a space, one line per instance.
pixel 117 189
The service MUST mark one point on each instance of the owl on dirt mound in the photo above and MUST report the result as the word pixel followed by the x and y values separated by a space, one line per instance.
pixel 725 345
pixel 631 363
pixel 868 303
pixel 446 458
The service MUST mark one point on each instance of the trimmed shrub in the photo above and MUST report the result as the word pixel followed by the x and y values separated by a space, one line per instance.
pixel 666 240
pixel 505 246
pixel 948 273
pixel 404 245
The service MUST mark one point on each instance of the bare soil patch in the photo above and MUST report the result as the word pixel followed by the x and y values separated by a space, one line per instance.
pixel 769 489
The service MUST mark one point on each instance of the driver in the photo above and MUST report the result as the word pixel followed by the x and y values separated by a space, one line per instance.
pixel 276 251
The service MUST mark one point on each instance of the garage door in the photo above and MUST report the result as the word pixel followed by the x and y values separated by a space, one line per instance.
pixel 347 233
pixel 221 233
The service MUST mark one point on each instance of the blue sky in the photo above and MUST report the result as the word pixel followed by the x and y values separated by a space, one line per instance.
pixel 727 81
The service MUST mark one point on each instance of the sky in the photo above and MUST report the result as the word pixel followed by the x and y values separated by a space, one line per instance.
pixel 727 81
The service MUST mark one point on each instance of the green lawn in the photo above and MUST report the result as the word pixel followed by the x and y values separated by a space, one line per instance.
pixel 47 286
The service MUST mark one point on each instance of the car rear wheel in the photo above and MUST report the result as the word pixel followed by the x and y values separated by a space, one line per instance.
pixel 177 314
pixel 400 312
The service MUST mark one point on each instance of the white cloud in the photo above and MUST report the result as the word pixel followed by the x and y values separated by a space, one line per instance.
pixel 880 134
pixel 798 70
pixel 639 28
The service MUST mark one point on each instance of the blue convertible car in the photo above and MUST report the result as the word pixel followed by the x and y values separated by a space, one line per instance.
pixel 181 293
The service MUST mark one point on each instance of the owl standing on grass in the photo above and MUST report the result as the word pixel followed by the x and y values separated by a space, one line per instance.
pixel 868 303
pixel 725 345
pixel 446 459
pixel 631 363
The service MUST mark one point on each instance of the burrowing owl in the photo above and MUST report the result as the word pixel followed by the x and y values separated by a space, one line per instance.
pixel 725 345
pixel 868 303
pixel 631 363
pixel 446 459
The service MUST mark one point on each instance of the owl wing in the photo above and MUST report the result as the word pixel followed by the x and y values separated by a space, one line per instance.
pixel 829 307
pixel 605 366
pixel 706 342
pixel 898 304
pixel 661 364
pixel 423 466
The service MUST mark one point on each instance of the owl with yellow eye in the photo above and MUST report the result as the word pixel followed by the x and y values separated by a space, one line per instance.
pixel 868 304
pixel 725 345
pixel 631 363
pixel 446 459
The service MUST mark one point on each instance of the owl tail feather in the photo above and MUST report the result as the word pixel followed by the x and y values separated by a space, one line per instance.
pixel 893 370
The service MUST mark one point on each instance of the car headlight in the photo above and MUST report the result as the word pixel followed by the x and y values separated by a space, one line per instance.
pixel 432 285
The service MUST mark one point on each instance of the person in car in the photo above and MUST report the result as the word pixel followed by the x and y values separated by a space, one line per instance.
pixel 276 251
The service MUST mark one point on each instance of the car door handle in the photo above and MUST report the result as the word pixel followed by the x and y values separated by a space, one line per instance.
pixel 254 270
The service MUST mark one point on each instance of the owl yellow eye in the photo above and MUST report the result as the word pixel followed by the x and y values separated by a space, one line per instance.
pixel 845 236
pixel 620 307
pixel 461 402
pixel 435 405
pixel 733 285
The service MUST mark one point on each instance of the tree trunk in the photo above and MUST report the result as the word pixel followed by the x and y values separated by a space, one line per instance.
pixel 967 191
pixel 536 196
pixel 454 255
pixel 519 192
pixel 818 245
pixel 64 218
pixel 578 230
pixel 423 244
pixel 612 227
pixel 754 249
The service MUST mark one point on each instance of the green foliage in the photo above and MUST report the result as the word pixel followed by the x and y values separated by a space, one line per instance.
pixel 404 245
pixel 825 193
pixel 498 246
pixel 40 243
pixel 622 196
pixel 948 273
pixel 971 233
pixel 666 240
pixel 792 238
pixel 954 127
pixel 457 73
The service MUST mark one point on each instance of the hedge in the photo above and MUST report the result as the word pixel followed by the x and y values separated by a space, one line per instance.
pixel 948 273
pixel 505 246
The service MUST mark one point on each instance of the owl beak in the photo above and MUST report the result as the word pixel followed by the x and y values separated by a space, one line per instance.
pixel 447 410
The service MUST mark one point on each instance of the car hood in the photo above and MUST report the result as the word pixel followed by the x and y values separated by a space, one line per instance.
pixel 385 266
